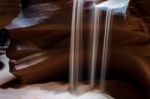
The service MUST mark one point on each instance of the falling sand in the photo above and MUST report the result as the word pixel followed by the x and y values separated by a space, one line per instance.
pixel 110 7
pixel 36 92
pixel 75 45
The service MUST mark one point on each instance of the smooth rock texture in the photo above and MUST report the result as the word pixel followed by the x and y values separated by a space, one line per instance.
pixel 40 53
pixel 9 9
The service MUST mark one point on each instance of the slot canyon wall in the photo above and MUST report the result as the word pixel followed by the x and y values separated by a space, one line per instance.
pixel 40 53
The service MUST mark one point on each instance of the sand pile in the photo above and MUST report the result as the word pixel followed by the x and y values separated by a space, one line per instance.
pixel 49 91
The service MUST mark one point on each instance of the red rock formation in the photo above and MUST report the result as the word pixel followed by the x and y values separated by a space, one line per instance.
pixel 41 53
